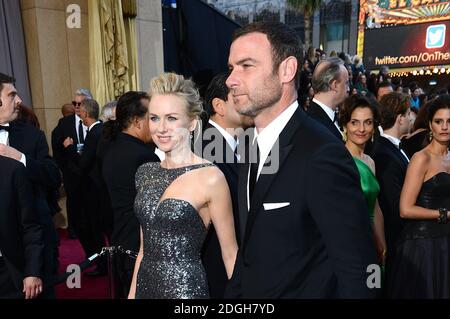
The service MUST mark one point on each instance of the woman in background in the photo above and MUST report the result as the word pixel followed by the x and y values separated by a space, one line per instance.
pixel 421 266
pixel 359 119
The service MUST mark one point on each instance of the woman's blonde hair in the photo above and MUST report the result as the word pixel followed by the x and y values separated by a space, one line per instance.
pixel 176 84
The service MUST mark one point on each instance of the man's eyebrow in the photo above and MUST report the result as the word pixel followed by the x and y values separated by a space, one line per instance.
pixel 242 61
pixel 245 60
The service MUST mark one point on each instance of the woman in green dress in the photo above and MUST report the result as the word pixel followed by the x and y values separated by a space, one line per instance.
pixel 358 118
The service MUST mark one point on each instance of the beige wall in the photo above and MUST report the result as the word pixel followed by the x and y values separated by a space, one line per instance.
pixel 150 40
pixel 58 57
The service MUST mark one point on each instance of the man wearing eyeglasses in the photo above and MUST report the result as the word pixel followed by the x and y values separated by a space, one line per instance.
pixel 70 126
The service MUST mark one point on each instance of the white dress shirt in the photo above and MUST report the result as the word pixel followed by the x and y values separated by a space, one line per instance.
pixel 77 123
pixel 4 139
pixel 227 136
pixel 231 141
pixel 396 142
pixel 267 137
pixel 330 112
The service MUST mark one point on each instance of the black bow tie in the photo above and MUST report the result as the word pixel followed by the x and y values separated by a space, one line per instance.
pixel 5 128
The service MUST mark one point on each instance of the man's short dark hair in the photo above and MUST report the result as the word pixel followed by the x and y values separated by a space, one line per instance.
pixel 321 79
pixel 217 88
pixel 392 105
pixel 92 108
pixel 384 84
pixel 6 79
pixel 284 42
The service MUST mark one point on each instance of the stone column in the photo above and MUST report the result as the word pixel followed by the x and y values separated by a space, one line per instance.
pixel 58 57
pixel 149 41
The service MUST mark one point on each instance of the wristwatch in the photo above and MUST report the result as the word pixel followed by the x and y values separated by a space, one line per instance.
pixel 443 218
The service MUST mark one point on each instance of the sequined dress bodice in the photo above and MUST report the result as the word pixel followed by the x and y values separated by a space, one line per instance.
pixel 173 235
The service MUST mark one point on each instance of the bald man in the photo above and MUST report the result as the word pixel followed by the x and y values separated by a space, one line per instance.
pixel 67 110
pixel 330 84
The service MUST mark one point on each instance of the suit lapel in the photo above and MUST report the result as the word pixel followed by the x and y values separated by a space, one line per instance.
pixel 394 150
pixel 320 113
pixel 265 180
pixel 15 137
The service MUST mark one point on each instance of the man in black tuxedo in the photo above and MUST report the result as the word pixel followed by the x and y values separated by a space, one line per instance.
pixel 219 146
pixel 129 147
pixel 84 165
pixel 70 126
pixel 27 145
pixel 306 230
pixel 21 247
pixel 330 84
pixel 391 163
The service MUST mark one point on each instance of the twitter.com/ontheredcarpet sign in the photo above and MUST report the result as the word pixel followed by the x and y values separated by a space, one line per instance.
pixel 408 45
pixel 404 33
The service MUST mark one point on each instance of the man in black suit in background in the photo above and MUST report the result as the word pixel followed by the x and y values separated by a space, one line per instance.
pixel 219 146
pixel 84 165
pixel 391 164
pixel 306 226
pixel 21 247
pixel 128 147
pixel 330 84
pixel 70 126
pixel 28 145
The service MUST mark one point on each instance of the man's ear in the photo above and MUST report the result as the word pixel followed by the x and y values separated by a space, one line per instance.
pixel 288 69
pixel 136 123
pixel 218 106
pixel 400 118
pixel 333 85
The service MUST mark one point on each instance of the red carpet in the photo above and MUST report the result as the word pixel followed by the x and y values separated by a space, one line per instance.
pixel 71 252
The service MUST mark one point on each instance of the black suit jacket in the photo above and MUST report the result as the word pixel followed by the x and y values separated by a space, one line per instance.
pixel 391 167
pixel 215 149
pixel 85 165
pixel 20 232
pixel 320 243
pixel 120 162
pixel 317 113
pixel 40 166
pixel 65 128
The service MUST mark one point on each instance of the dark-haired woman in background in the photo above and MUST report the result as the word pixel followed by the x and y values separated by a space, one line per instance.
pixel 125 147
pixel 358 118
pixel 421 267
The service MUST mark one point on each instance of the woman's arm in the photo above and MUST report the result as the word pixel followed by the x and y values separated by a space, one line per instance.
pixel 221 213
pixel 415 176
pixel 378 231
pixel 132 293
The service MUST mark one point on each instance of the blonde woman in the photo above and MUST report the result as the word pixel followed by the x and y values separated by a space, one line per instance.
pixel 178 199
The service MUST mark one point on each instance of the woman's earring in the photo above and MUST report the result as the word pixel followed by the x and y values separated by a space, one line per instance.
pixel 430 136
pixel 344 136
pixel 373 137
pixel 191 135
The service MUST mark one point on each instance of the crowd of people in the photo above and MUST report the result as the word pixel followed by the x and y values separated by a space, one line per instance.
pixel 290 178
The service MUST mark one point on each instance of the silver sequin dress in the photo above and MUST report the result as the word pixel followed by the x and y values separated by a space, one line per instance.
pixel 173 235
